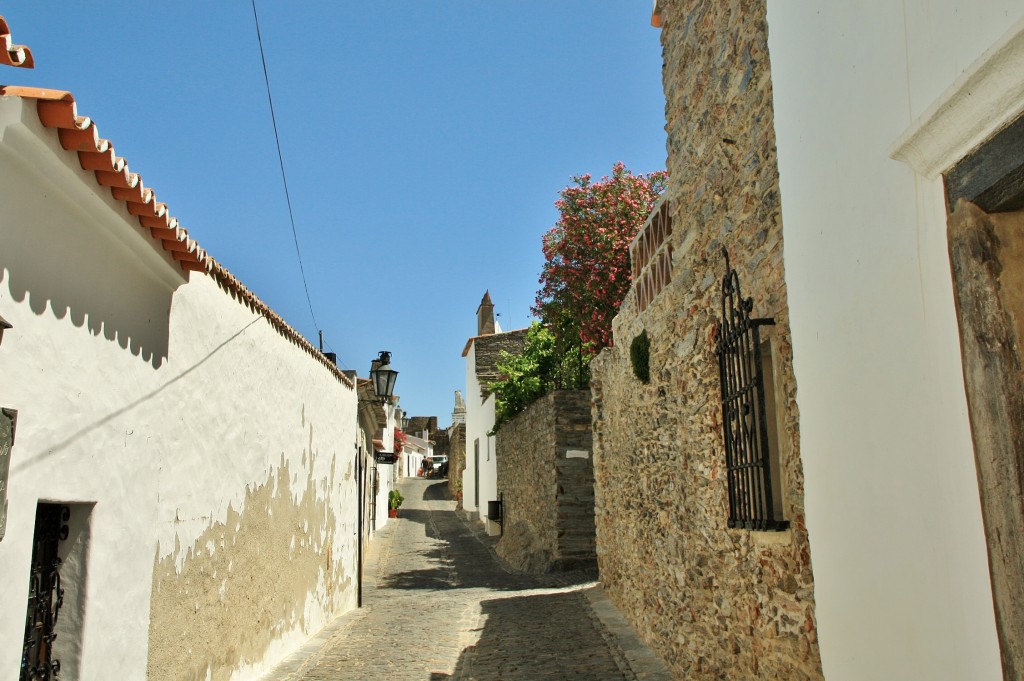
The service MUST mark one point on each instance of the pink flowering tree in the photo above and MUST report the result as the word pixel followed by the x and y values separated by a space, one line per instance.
pixel 586 271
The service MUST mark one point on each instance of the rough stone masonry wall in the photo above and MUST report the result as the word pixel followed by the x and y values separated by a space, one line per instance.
pixel 545 472
pixel 456 459
pixel 713 601
pixel 488 354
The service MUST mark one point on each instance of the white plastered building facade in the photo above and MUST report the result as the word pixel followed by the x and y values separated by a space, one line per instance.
pixel 204 455
pixel 873 101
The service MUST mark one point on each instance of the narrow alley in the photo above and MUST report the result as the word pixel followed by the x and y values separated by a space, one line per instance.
pixel 438 605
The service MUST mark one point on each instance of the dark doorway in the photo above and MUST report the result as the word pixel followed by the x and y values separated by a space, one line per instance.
pixel 45 593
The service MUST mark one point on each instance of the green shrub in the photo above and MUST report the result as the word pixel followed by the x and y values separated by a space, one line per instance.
pixel 640 357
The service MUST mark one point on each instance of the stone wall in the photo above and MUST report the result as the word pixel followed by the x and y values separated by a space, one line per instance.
pixel 456 459
pixel 442 446
pixel 715 602
pixel 488 354
pixel 419 424
pixel 546 477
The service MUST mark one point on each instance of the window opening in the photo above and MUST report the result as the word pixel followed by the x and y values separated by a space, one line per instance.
pixel 754 495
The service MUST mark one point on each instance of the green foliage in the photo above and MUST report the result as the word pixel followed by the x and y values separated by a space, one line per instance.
pixel 395 499
pixel 538 370
pixel 525 377
pixel 640 357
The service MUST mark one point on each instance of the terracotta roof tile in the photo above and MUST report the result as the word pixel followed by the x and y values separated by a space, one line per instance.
pixel 11 54
pixel 57 110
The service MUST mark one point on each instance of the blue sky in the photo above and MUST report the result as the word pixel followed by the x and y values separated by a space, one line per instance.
pixel 424 143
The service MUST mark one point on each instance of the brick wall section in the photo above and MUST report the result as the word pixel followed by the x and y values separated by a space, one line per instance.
pixel 714 602
pixel 488 352
pixel 548 493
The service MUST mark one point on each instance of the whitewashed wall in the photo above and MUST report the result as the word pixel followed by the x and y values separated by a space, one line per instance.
pixel 479 421
pixel 387 473
pixel 900 566
pixel 181 415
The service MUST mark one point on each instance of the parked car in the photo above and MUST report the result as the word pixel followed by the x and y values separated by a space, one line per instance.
pixel 439 467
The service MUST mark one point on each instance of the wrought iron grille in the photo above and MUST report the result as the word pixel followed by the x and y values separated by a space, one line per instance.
pixel 45 594
pixel 747 457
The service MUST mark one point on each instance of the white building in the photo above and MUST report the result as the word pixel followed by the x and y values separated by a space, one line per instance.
pixel 377 422
pixel 184 452
pixel 874 103
pixel 415 450
pixel 482 352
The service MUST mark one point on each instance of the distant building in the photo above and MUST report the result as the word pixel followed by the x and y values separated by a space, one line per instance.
pixel 482 352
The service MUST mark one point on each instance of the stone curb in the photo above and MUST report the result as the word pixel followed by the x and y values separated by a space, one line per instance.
pixel 642 661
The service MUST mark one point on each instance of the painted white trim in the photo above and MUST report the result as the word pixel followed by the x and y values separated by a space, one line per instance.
pixel 984 99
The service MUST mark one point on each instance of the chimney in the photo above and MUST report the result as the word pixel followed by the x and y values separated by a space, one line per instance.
pixel 485 316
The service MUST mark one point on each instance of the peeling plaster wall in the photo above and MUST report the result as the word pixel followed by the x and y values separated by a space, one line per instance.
pixel 219 456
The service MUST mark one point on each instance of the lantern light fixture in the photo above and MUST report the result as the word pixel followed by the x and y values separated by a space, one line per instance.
pixel 383 376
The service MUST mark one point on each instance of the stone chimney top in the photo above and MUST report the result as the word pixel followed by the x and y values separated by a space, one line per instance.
pixel 485 316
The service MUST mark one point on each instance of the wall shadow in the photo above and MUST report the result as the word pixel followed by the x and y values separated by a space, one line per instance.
pixel 63 444
pixel 538 636
pixel 60 262
pixel 461 556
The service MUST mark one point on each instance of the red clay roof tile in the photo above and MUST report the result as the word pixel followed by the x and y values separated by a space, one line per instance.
pixel 11 54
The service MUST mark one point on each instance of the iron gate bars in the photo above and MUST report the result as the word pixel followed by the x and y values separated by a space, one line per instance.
pixel 747 457
pixel 46 595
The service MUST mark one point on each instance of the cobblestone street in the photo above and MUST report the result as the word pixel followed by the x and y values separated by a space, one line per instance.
pixel 438 604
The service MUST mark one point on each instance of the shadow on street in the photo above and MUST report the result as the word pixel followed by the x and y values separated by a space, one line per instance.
pixel 532 637
pixel 459 555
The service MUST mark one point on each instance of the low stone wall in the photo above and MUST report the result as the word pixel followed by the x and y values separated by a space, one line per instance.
pixel 546 477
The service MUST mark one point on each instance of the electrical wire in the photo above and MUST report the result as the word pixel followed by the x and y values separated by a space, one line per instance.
pixel 280 159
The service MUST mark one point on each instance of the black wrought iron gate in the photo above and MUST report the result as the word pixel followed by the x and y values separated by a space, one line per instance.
pixel 747 456
pixel 45 594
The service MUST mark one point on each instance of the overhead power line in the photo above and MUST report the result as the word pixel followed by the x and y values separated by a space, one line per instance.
pixel 280 158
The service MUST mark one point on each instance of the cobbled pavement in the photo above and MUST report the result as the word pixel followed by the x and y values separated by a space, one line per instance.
pixel 439 604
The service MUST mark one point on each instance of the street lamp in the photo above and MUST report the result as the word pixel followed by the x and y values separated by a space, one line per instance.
pixel 383 376
pixel 406 420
